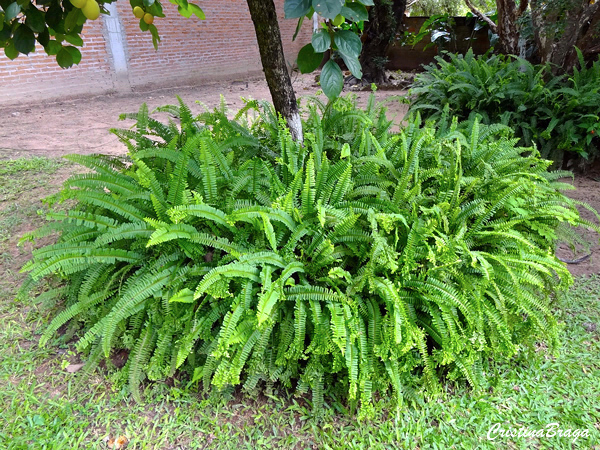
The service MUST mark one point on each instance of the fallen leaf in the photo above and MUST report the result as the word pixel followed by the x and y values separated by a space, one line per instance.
pixel 121 442
pixel 72 368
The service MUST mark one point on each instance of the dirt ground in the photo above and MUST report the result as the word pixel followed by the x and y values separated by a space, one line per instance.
pixel 82 125
pixel 588 191
pixel 53 129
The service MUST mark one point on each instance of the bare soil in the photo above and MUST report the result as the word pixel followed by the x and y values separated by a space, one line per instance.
pixel 588 191
pixel 54 129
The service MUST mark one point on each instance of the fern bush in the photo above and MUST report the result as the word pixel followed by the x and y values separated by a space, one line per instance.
pixel 360 261
pixel 556 113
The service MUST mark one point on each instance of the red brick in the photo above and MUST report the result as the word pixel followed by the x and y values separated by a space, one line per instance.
pixel 190 51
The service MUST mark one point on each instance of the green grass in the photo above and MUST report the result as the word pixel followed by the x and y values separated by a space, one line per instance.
pixel 17 176
pixel 23 183
pixel 35 164
pixel 44 407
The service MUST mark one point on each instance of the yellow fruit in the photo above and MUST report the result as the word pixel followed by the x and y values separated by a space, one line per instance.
pixel 148 18
pixel 91 10
pixel 339 19
pixel 78 3
pixel 138 12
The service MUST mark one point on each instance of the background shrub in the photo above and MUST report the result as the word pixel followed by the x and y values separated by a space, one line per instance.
pixel 556 113
pixel 359 262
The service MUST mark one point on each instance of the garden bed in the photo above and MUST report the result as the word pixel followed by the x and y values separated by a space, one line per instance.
pixel 46 405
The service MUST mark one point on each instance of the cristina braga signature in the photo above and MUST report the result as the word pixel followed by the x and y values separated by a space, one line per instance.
pixel 551 430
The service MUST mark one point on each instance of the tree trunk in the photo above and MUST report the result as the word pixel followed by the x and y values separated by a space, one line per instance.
pixel 509 38
pixel 580 19
pixel 508 35
pixel 385 19
pixel 588 40
pixel 508 27
pixel 266 26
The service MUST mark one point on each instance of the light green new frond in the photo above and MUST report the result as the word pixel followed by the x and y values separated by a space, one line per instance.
pixel 101 164
pixel 114 182
pixel 170 232
pixel 178 182
pixel 209 172
pixel 262 258
pixel 315 293
pixel 247 214
pixel 232 270
pixel 136 230
pixel 203 211
pixel 90 220
pixel 69 263
pixel 106 201
pixel 267 302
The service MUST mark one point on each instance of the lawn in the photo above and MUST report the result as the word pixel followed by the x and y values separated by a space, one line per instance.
pixel 46 406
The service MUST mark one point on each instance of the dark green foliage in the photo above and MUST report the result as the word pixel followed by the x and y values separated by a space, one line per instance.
pixel 360 261
pixel 557 114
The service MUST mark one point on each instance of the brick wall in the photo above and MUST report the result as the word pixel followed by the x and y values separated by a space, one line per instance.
pixel 37 75
pixel 191 50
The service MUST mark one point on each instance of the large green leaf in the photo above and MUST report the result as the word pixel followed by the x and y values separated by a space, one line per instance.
pixel 348 43
pixel 355 12
pixel 184 11
pixel 54 15
pixel 64 58
pixel 10 51
pixel 75 54
pixel 24 39
pixel 197 11
pixel 294 9
pixel 308 59
pixel 71 19
pixel 328 8
pixel 321 41
pixel 332 80
pixel 53 47
pixel 74 39
pixel 44 37
pixel 35 20
pixel 353 65
pixel 12 11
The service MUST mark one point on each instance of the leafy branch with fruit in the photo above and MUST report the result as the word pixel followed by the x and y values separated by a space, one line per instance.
pixel 57 25
pixel 332 36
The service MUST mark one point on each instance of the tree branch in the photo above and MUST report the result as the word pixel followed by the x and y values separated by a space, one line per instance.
pixel 591 51
pixel 523 7
pixel 593 10
pixel 482 16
